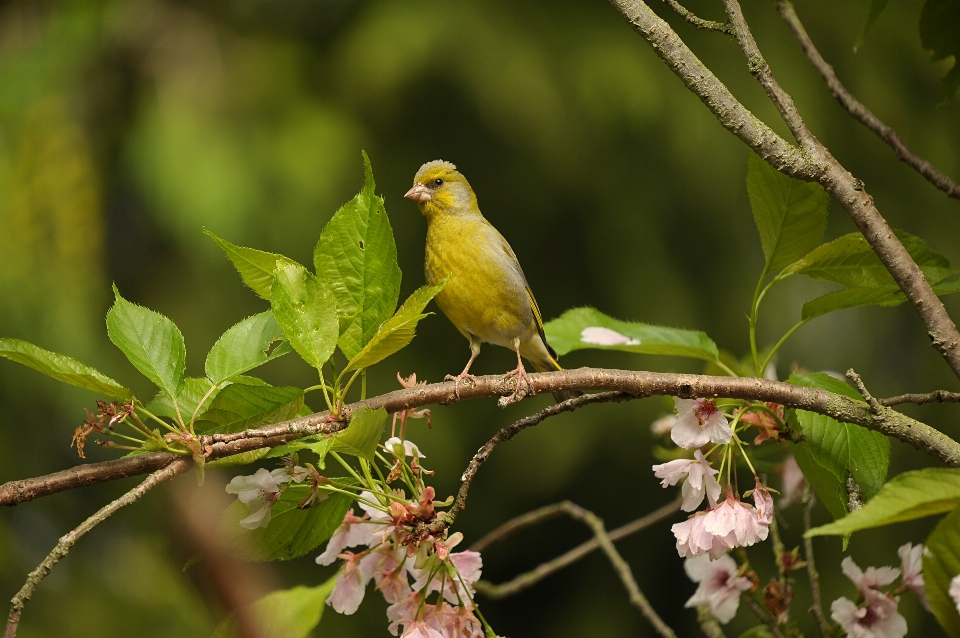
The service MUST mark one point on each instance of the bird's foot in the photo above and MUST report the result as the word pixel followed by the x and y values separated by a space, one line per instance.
pixel 463 376
pixel 523 387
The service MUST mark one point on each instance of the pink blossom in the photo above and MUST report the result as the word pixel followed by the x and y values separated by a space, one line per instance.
pixel 421 629
pixel 911 564
pixel 455 621
pixel 719 586
pixel 348 591
pixel 954 591
pixel 792 482
pixel 699 423
pixel 693 540
pixel 663 425
pixel 737 523
pixel 764 504
pixel 700 480
pixel 353 531
pixel 409 447
pixel 871 580
pixel 258 492
pixel 404 611
pixel 876 618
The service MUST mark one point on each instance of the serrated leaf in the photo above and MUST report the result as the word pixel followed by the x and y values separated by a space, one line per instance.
pixel 831 491
pixel 905 497
pixel 255 266
pixel 876 8
pixel 839 449
pixel 361 437
pixel 580 328
pixel 356 258
pixel 941 564
pixel 151 342
pixel 940 34
pixel 292 531
pixel 306 312
pixel 244 347
pixel 857 297
pixel 62 368
pixel 397 331
pixel 288 613
pixel 244 458
pixel 193 391
pixel 240 407
pixel 791 215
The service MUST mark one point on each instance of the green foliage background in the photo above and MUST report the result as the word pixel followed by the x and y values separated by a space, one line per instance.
pixel 127 127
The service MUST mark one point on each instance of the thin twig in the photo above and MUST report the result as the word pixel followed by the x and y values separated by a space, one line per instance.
pixel 67 541
pixel 532 577
pixel 700 23
pixel 709 624
pixel 762 615
pixel 937 396
pixel 822 625
pixel 862 388
pixel 860 112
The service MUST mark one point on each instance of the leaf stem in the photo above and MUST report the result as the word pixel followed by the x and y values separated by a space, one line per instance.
pixel 346 466
pixel 193 419
pixel 783 340
pixel 720 364
pixel 758 294
pixel 156 418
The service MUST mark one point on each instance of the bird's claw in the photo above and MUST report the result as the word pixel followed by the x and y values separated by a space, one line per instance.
pixel 523 387
pixel 463 376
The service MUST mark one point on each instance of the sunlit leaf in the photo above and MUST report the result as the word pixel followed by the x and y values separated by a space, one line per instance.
pixel 580 328
pixel 152 343
pixel 306 312
pixel 905 497
pixel 255 266
pixel 361 437
pixel 244 347
pixel 241 407
pixel 62 368
pixel 940 34
pixel 356 258
pixel 193 391
pixel 791 215
pixel 397 331
pixel 941 564
pixel 288 613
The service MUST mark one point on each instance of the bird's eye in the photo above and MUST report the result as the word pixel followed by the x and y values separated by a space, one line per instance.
pixel 438 182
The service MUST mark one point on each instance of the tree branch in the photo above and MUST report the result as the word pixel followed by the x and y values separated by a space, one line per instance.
pixel 860 112
pixel 762 615
pixel 937 396
pixel 534 576
pixel 814 163
pixel 709 624
pixel 635 383
pixel 700 23
pixel 67 541
pixel 822 625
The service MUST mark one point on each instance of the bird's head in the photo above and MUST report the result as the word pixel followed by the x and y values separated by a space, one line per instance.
pixel 439 188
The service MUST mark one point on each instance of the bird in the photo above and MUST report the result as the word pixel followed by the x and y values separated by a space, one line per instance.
pixel 487 297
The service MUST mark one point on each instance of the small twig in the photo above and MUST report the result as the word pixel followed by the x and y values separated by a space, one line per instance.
pixel 700 23
pixel 937 396
pixel 822 625
pixel 534 576
pixel 860 112
pixel 762 615
pixel 67 541
pixel 709 624
pixel 857 381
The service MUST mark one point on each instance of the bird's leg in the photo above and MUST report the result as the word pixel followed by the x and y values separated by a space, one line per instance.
pixel 521 374
pixel 465 375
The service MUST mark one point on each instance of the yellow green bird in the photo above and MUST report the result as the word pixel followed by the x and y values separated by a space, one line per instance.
pixel 487 296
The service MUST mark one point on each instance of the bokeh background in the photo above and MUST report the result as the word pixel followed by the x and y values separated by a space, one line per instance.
pixel 127 127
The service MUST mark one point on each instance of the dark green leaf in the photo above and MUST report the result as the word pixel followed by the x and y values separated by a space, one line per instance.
pixel 940 34
pixel 856 297
pixel 580 328
pixel 306 312
pixel 255 266
pixel 62 368
pixel 791 215
pixel 240 407
pixel 152 343
pixel 194 389
pixel 397 331
pixel 356 258
pixel 941 564
pixel 288 613
pixel 244 347
pixel 876 8
pixel 361 436
pixel 831 491
pixel 905 497
pixel 291 532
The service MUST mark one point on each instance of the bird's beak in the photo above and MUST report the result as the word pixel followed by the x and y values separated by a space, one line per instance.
pixel 419 193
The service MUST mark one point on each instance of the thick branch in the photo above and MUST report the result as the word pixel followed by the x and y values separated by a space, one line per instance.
pixel 813 163
pixel 860 112
pixel 632 382
pixel 68 540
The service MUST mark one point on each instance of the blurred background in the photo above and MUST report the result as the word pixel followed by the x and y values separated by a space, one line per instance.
pixel 127 127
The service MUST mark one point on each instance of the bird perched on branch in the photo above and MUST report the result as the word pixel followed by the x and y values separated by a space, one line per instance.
pixel 487 296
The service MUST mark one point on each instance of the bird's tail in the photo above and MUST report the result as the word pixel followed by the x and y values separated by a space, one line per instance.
pixel 550 364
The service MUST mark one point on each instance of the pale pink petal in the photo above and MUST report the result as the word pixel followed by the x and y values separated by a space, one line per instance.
pixel 954 591
pixel 672 472
pixel 792 481
pixel 764 503
pixel 348 591
pixel 911 563
pixel 663 425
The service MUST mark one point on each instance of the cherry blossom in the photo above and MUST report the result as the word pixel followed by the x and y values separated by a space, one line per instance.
pixel 731 524
pixel 699 422
pixel 719 586
pixel 258 492
pixel 791 483
pixel 954 591
pixel 764 503
pixel 911 564
pixel 351 584
pixel 409 447
pixel 663 425
pixel 700 480
pixel 873 579
pixel 876 618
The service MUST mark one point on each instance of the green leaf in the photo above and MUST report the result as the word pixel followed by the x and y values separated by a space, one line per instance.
pixel 240 407
pixel 152 343
pixel 361 437
pixel 940 34
pixel 194 389
pixel 839 449
pixel 255 266
pixel 62 368
pixel 831 491
pixel 292 531
pixel 853 298
pixel 941 563
pixel 905 497
pixel 288 613
pixel 397 331
pixel 244 347
pixel 581 328
pixel 791 215
pixel 244 458
pixel 306 312
pixel 356 258
pixel 876 8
